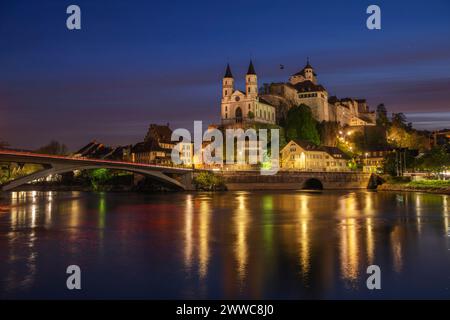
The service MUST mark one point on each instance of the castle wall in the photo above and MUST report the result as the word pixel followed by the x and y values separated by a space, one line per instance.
pixel 318 102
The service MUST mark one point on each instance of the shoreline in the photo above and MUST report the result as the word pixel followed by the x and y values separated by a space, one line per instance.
pixel 387 186
pixel 407 188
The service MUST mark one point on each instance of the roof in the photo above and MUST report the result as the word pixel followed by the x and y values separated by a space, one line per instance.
pixel 87 147
pixel 251 68
pixel 335 152
pixel 308 86
pixel 332 151
pixel 333 100
pixel 228 73
pixel 262 100
pixel 302 72
pixel 94 149
pixel 161 133
pixel 382 148
pixel 147 146
pixel 307 145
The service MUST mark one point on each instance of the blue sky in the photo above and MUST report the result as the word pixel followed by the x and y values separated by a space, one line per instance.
pixel 139 62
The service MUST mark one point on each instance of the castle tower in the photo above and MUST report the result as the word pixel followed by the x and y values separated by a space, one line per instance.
pixel 309 72
pixel 251 82
pixel 227 83
pixel 306 74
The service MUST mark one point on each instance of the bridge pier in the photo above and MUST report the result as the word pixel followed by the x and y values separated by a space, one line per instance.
pixel 186 180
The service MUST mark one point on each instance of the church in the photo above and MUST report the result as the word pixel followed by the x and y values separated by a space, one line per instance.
pixel 270 103
pixel 243 107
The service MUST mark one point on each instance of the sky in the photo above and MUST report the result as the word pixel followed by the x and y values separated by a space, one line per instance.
pixel 139 62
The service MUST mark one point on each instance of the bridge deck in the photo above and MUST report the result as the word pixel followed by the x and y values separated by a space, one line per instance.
pixel 36 158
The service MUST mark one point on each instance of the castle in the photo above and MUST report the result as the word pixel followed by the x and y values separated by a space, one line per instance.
pixel 271 103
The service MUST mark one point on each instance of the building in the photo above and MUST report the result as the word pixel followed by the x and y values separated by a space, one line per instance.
pixel 244 107
pixel 303 88
pixel 97 150
pixel 186 153
pixel 373 160
pixel 440 138
pixel 306 156
pixel 156 147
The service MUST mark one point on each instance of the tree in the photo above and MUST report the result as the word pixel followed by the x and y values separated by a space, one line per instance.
pixel 401 135
pixel 399 120
pixel 399 160
pixel 436 160
pixel 54 147
pixel 328 133
pixel 300 124
pixel 208 181
pixel 370 138
pixel 382 118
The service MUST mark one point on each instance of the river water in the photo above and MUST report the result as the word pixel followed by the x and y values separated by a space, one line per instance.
pixel 281 245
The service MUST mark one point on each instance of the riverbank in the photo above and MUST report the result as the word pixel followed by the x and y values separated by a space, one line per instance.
pixel 89 188
pixel 429 186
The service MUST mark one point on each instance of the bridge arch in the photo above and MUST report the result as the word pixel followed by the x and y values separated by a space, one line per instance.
pixel 313 184
pixel 64 169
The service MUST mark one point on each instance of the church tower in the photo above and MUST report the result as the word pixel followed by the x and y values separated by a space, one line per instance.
pixel 251 82
pixel 227 84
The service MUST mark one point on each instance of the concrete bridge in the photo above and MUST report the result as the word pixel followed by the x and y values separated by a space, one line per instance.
pixel 177 177
pixel 294 180
pixel 181 178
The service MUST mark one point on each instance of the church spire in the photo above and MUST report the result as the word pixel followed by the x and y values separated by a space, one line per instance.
pixel 251 68
pixel 228 73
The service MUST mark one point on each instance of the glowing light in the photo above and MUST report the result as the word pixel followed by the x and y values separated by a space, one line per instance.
pixel 102 211
pixel 188 217
pixel 204 238
pixel 349 249
pixel 397 249
pixel 303 235
pixel 241 220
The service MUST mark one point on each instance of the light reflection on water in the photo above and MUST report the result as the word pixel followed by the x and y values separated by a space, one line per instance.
pixel 225 245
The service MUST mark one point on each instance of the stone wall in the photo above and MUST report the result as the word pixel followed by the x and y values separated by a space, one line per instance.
pixel 291 180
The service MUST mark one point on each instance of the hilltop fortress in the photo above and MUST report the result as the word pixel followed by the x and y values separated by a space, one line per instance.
pixel 270 103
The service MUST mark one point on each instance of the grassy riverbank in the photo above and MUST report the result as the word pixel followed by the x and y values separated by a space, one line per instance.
pixel 432 186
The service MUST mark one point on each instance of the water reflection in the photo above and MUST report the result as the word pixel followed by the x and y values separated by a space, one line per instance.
pixel 225 245
pixel 303 234
pixel 445 214
pixel 240 222
pixel 369 211
pixel 349 246
pixel 196 235
pixel 188 233
pixel 204 234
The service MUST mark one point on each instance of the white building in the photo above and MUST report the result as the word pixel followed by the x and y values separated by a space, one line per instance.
pixel 240 107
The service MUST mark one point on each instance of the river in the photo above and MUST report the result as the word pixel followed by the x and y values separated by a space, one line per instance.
pixel 281 245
